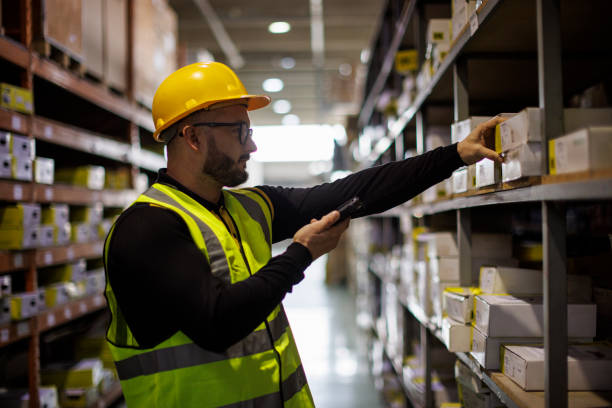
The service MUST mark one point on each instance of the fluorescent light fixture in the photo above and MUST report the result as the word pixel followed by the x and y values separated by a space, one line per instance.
pixel 287 63
pixel 281 106
pixel 294 143
pixel 273 85
pixel 291 120
pixel 279 27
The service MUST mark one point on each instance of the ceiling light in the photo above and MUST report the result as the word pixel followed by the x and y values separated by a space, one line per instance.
pixel 287 63
pixel 279 27
pixel 273 85
pixel 282 106
pixel 291 120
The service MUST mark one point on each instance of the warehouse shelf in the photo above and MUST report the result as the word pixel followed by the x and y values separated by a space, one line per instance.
pixel 95 93
pixel 14 121
pixel 58 193
pixel 40 257
pixel 69 311
pixel 15 331
pixel 587 189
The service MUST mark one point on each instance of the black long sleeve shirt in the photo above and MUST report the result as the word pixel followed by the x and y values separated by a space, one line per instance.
pixel 163 283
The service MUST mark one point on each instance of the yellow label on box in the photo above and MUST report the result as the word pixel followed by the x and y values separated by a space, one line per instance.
pixel 406 61
pixel 552 163
pixel 498 143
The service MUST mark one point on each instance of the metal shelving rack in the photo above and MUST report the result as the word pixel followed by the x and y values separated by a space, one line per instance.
pixel 487 28
pixel 125 149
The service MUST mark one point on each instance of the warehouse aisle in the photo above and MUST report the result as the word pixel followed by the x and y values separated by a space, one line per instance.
pixel 333 352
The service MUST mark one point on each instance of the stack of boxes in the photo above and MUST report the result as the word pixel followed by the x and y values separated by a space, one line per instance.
pixel 20 226
pixel 18 161
pixel 92 177
pixel 78 383
pixel 464 178
pixel 437 136
pixel 472 391
pixel 56 216
pixel 86 223
pixel 20 398
pixel 63 283
pixel 462 10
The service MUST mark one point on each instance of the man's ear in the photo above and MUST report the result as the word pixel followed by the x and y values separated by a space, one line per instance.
pixel 191 137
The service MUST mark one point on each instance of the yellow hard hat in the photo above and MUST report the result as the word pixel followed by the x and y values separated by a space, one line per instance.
pixel 198 86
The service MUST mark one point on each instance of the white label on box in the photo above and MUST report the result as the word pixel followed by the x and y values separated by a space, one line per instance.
pixel 83 307
pixel 18 260
pixel 48 257
pixel 23 329
pixel 473 23
pixel 4 335
pixel 49 194
pixel 70 253
pixel 67 313
pixel 17 192
pixel 16 122
pixel 50 319
pixel 48 132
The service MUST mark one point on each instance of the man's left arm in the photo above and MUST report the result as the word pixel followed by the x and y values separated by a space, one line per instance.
pixel 379 188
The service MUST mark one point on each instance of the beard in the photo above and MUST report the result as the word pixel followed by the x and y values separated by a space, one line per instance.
pixel 222 168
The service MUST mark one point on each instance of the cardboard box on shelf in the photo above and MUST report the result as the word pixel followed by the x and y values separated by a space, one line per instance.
pixel 5 309
pixel 44 170
pixel 5 142
pixel 73 271
pixel 516 281
pixel 589 366
pixel 523 161
pixel 582 150
pixel 20 215
pixel 24 305
pixel 458 303
pixel 55 214
pixel 488 173
pixel 437 288
pixel 19 238
pixel 95 282
pixel 460 180
pixel 22 146
pixel 80 233
pixel 446 268
pixel 56 294
pixel 62 233
pixel 42 299
pixel 16 98
pixel 21 169
pixel 423 290
pixel 460 130
pixel 439 31
pixel 6 166
pixel 472 399
pixel 462 10
pixel 456 335
pixel 509 316
pixel 83 374
pixel 466 377
pixel 46 235
pixel 91 214
pixel 91 177
pixel 5 285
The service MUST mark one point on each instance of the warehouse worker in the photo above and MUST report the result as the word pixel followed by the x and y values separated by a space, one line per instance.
pixel 194 294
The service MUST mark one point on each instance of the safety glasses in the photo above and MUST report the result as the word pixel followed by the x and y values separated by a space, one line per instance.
pixel 244 132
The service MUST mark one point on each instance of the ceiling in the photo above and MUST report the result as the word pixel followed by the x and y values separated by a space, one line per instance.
pixel 315 87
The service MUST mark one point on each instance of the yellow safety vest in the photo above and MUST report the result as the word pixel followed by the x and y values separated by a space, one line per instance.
pixel 261 370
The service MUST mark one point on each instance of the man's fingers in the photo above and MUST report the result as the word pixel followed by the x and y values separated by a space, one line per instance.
pixel 490 154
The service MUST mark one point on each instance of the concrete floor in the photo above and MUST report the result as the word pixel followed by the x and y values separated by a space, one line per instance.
pixel 332 348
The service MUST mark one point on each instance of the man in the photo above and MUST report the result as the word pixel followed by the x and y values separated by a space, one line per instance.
pixel 193 291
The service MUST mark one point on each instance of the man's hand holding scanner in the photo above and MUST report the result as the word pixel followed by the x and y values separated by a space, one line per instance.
pixel 474 148
pixel 321 236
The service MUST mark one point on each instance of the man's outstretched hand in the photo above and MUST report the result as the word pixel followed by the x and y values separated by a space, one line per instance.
pixel 472 149
pixel 319 236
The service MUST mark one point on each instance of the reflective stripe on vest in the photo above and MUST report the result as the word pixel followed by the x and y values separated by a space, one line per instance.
pixel 179 373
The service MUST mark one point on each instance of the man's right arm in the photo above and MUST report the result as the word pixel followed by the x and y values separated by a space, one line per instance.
pixel 163 283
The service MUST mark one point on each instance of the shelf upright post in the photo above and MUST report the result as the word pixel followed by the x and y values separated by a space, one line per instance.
pixel 461 111
pixel 553 214
pixel 426 364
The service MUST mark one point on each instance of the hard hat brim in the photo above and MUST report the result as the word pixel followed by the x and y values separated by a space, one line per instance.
pixel 254 102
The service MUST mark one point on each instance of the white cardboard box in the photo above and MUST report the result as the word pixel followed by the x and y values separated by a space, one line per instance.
pixel 20 215
pixel 6 165
pixel 460 180
pixel 460 130
pixel 55 214
pixel 585 149
pixel 24 305
pixel 487 173
pixel 22 147
pixel 62 233
pixel 589 366
pixel 458 303
pixel 22 168
pixel 462 10
pixel 522 161
pixel 446 268
pixel 46 235
pixel 439 31
pixel 456 336
pixel 5 143
pixel 517 281
pixel 44 170
pixel 5 285
pixel 509 316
